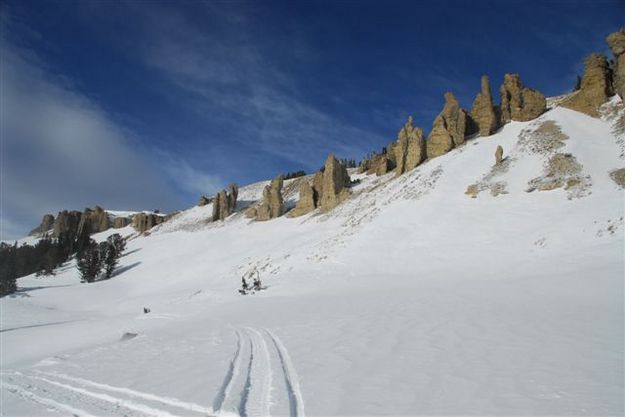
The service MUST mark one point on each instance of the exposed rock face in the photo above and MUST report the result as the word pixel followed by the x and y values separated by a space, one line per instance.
pixel 318 186
pixel 306 202
pixel 272 205
pixel 97 220
pixel 595 89
pixel 498 155
pixel 47 223
pixel 233 194
pixel 225 203
pixel 380 165
pixel 520 103
pixel 142 222
pixel 66 222
pixel 334 184
pixel 329 189
pixel 204 201
pixel 449 128
pixel 483 110
pixel 119 222
pixel 409 149
pixel 616 42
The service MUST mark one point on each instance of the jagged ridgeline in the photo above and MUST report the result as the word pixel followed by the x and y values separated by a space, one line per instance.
pixel 330 186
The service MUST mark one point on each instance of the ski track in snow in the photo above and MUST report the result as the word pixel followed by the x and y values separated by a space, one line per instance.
pixel 296 400
pixel 224 393
pixel 48 402
pixel 259 396
pixel 137 394
pixel 105 403
pixel 254 377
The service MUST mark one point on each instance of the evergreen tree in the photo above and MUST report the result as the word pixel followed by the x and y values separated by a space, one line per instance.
pixel 89 262
pixel 8 269
pixel 118 242
pixel 109 256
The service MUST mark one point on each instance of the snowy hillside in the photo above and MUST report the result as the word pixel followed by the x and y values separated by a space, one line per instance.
pixel 411 298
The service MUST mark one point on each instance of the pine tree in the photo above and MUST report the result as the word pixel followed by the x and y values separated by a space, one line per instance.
pixel 110 257
pixel 118 242
pixel 8 272
pixel 89 262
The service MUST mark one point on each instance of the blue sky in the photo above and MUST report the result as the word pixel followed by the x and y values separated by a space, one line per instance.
pixel 148 104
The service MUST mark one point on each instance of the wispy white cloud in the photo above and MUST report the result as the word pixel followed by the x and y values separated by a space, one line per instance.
pixel 233 80
pixel 61 150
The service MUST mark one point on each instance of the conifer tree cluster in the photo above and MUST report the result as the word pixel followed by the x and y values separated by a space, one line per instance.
pixel 48 254
pixel 98 261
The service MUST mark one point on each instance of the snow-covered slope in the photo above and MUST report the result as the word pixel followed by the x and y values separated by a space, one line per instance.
pixel 411 298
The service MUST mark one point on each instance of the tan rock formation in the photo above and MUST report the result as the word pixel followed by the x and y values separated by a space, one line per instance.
pixel 272 205
pixel 616 42
pixel 96 220
pixel 306 202
pixel 142 222
pixel 334 184
pixel 204 201
pixel 448 130
pixel 66 222
pixel 119 222
pixel 318 186
pixel 520 103
pixel 595 89
pixel 483 111
pixel 379 164
pixel 498 155
pixel 409 149
pixel 224 203
pixel 47 223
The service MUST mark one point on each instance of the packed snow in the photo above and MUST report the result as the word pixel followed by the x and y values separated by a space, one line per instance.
pixel 411 298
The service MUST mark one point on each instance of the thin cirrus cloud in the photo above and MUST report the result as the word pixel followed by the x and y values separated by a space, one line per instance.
pixel 61 150
pixel 236 82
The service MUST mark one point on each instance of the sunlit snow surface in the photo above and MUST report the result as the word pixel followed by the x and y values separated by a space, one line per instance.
pixel 409 299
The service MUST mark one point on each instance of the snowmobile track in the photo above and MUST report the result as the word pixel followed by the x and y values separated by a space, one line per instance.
pixel 58 395
pixel 250 372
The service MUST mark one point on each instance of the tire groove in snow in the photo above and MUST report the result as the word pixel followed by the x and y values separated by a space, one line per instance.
pixel 259 396
pixel 174 402
pixel 233 371
pixel 48 402
pixel 291 379
pixel 248 384
pixel 108 398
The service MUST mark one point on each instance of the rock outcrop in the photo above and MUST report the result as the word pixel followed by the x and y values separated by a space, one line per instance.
pixel 334 185
pixel 272 205
pixel 119 222
pixel 483 111
pixel 96 220
pixel 595 88
pixel 330 187
pixel 66 222
pixel 142 222
pixel 224 203
pixel 498 155
pixel 409 149
pixel 306 202
pixel 448 130
pixel 616 42
pixel 204 201
pixel 520 103
pixel 47 223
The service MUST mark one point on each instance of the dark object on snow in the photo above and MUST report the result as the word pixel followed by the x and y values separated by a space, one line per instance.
pixel 128 336
pixel 257 284
pixel 146 310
